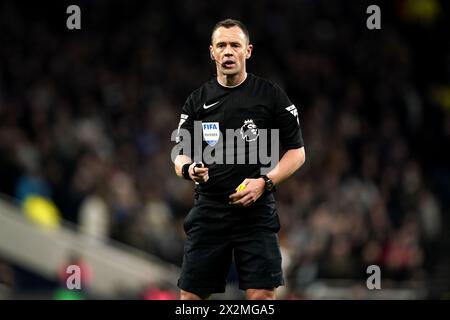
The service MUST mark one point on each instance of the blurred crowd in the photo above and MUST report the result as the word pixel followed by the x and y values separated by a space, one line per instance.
pixel 86 118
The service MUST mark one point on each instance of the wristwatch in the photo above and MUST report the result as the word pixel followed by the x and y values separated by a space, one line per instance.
pixel 268 183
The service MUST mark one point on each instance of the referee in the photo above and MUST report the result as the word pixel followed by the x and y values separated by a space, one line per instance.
pixel 225 223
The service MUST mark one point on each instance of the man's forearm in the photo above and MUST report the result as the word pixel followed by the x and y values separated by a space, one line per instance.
pixel 291 161
pixel 180 161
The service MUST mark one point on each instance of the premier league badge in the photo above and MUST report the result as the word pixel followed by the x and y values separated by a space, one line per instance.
pixel 249 131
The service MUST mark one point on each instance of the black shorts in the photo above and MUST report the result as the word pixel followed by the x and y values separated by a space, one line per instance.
pixel 216 231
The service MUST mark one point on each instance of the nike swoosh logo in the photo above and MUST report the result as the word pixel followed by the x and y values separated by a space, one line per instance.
pixel 210 105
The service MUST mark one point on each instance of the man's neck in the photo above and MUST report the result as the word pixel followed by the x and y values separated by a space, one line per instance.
pixel 231 80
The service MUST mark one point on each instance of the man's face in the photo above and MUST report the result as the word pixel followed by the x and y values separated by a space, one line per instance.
pixel 230 49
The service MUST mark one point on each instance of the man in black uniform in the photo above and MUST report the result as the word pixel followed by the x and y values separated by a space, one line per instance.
pixel 225 222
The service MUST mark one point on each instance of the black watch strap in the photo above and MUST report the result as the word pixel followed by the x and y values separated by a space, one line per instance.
pixel 268 183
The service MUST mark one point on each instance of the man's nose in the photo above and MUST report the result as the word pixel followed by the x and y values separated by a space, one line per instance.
pixel 228 51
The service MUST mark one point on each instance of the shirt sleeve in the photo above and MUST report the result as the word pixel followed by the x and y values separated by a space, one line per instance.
pixel 185 128
pixel 286 120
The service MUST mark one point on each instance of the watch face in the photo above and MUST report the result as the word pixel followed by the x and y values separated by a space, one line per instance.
pixel 269 185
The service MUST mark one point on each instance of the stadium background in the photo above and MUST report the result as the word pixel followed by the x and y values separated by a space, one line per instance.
pixel 86 117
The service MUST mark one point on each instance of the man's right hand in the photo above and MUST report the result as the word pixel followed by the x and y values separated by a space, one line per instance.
pixel 198 174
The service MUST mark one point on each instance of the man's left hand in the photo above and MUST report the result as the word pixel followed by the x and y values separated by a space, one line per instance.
pixel 244 198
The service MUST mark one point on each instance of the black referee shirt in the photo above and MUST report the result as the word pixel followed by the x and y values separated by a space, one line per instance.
pixel 248 108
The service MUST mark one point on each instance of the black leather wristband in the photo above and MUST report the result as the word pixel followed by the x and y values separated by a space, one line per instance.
pixel 185 171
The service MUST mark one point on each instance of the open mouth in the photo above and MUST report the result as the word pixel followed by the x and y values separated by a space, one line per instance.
pixel 228 64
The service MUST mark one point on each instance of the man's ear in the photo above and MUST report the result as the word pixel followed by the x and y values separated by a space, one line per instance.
pixel 249 51
pixel 211 53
